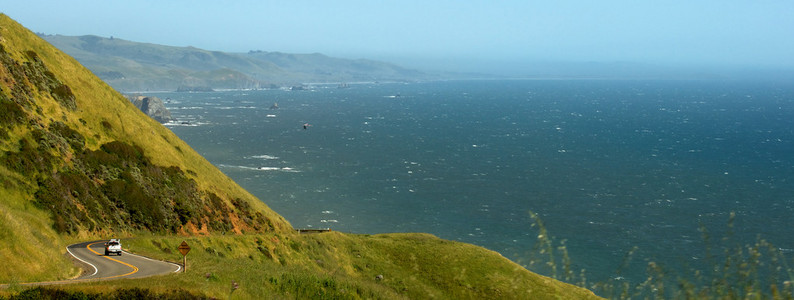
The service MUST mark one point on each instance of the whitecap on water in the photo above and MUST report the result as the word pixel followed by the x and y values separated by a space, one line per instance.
pixel 282 169
pixel 265 156
pixel 268 168
pixel 185 123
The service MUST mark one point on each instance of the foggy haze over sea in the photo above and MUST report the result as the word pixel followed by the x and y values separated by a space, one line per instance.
pixel 510 38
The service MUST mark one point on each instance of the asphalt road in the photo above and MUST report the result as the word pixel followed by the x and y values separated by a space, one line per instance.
pixel 127 265
pixel 101 267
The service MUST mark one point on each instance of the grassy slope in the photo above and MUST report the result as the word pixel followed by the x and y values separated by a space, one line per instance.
pixel 339 266
pixel 97 102
pixel 23 230
pixel 279 263
pixel 26 227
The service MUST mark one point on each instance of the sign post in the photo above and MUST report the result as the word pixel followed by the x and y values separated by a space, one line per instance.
pixel 184 249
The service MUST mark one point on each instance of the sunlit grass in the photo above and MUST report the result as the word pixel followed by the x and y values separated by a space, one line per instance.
pixel 30 249
pixel 337 266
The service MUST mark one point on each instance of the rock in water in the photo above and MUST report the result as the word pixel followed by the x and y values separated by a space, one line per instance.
pixel 153 107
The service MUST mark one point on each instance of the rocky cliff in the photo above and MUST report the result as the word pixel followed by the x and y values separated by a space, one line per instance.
pixel 153 107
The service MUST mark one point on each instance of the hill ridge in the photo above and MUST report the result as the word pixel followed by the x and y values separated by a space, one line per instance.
pixel 129 65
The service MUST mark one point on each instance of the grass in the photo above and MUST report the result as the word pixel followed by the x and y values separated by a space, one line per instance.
pixel 30 248
pixel 39 293
pixel 336 266
pixel 348 266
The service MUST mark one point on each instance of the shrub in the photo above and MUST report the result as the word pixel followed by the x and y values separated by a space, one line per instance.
pixel 118 186
pixel 37 73
pixel 63 94
pixel 106 125
pixel 125 152
pixel 75 139
pixel 29 160
pixel 46 293
pixel 11 113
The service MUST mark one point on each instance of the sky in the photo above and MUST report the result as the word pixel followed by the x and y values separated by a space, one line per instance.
pixel 445 35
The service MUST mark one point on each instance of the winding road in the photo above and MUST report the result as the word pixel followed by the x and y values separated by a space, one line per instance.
pixel 101 267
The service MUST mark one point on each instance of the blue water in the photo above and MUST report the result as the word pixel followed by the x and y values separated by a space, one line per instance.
pixel 608 165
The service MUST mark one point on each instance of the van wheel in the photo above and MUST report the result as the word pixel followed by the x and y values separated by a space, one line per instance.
pixel 119 253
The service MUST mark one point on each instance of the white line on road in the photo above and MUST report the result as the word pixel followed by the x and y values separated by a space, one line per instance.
pixel 90 264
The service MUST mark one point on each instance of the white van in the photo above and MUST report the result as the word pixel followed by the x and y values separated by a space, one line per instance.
pixel 113 246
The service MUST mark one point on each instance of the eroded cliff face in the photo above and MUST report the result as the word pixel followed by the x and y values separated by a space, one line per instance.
pixel 153 107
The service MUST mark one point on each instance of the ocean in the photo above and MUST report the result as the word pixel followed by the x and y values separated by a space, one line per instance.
pixel 607 165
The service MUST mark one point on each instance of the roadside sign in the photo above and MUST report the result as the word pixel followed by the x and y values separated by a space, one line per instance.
pixel 184 248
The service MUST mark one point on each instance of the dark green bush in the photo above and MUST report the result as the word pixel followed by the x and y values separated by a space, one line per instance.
pixel 106 125
pixel 29 160
pixel 62 193
pixel 32 55
pixel 47 293
pixel 39 75
pixel 75 139
pixel 63 94
pixel 125 152
pixel 118 186
pixel 11 113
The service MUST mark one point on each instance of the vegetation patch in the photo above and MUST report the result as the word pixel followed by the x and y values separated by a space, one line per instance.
pixel 38 74
pixel 342 266
pixel 46 293
pixel 11 112
pixel 118 188
pixel 20 100
pixel 29 159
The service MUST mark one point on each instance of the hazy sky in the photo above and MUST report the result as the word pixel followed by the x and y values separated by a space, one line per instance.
pixel 444 34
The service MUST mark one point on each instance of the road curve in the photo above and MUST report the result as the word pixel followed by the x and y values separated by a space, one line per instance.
pixel 101 267
pixel 127 265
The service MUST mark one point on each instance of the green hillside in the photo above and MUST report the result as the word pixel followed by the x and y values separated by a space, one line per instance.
pixel 78 161
pixel 133 66
pixel 77 158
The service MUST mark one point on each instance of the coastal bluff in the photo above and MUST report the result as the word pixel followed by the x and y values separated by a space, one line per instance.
pixel 152 107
